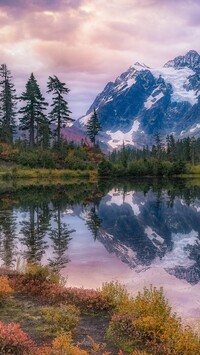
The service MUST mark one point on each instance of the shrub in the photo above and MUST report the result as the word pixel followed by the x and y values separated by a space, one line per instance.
pixel 14 341
pixel 138 352
pixel 115 292
pixel 89 301
pixel 63 318
pixel 43 350
pixel 141 319
pixel 5 289
pixel 63 345
pixel 151 302
pixel 42 273
pixel 146 322
pixel 105 168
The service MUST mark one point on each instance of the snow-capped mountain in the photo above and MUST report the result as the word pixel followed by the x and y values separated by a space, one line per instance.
pixel 143 100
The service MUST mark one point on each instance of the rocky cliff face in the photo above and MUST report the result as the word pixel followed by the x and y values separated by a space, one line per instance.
pixel 143 100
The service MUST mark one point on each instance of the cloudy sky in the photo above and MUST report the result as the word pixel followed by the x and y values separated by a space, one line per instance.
pixel 87 43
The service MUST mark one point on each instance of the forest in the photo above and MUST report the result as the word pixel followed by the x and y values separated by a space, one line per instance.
pixel 164 158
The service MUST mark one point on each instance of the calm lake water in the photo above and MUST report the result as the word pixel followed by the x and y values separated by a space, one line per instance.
pixel 139 233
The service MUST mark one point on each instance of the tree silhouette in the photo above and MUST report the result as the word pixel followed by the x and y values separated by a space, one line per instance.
pixel 7 105
pixel 60 111
pixel 60 236
pixel 94 222
pixel 33 117
pixel 34 231
pixel 7 238
pixel 93 127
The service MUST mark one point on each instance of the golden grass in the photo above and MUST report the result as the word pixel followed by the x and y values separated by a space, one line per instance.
pixel 46 174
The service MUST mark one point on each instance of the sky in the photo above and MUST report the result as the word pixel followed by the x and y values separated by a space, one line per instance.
pixel 87 43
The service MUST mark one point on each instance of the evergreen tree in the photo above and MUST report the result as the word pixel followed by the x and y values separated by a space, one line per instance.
pixel 33 235
pixel 60 236
pixel 43 133
pixel 60 111
pixel 158 147
pixel 171 147
pixel 124 156
pixel 8 238
pixel 7 105
pixel 93 127
pixel 94 222
pixel 32 113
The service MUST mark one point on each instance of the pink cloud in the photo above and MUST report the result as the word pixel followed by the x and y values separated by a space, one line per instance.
pixel 90 42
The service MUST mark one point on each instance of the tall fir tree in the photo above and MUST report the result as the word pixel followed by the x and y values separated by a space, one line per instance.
pixel 7 105
pixel 33 116
pixel 94 222
pixel 60 113
pixel 93 127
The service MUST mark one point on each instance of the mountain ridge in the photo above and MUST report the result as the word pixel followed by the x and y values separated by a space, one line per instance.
pixel 143 100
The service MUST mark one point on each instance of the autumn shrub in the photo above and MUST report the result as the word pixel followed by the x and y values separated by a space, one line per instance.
pixel 7 152
pixel 5 289
pixel 90 301
pixel 43 350
pixel 116 293
pixel 141 319
pixel 150 302
pixel 43 273
pixel 63 345
pixel 62 318
pixel 14 341
pixel 140 352
pixel 177 340
pixel 147 323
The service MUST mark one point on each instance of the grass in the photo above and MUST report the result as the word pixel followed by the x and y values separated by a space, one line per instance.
pixel 27 313
pixel 16 173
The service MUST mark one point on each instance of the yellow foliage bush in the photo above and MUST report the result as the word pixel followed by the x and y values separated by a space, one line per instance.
pixel 116 293
pixel 147 323
pixel 5 289
pixel 63 345
pixel 62 318
pixel 43 273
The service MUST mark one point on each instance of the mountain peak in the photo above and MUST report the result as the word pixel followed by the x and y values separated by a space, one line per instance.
pixel 190 60
pixel 140 66
pixel 143 100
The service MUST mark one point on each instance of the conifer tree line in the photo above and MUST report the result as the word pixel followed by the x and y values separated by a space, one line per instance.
pixel 32 115
pixel 166 149
pixel 166 157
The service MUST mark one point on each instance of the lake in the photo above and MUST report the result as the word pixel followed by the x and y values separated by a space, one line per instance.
pixel 137 232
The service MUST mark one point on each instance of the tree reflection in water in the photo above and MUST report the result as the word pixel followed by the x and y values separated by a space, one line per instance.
pixel 142 222
pixel 60 236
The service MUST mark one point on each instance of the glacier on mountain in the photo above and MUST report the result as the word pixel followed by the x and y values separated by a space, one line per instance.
pixel 143 101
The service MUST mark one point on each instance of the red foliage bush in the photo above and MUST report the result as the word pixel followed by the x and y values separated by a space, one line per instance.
pixel 14 341
pixel 85 300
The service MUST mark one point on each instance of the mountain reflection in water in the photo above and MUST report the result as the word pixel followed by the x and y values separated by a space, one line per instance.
pixel 145 224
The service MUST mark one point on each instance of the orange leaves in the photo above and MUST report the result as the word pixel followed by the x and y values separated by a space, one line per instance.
pixel 7 152
pixel 63 345
pixel 146 322
pixel 86 300
pixel 5 289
